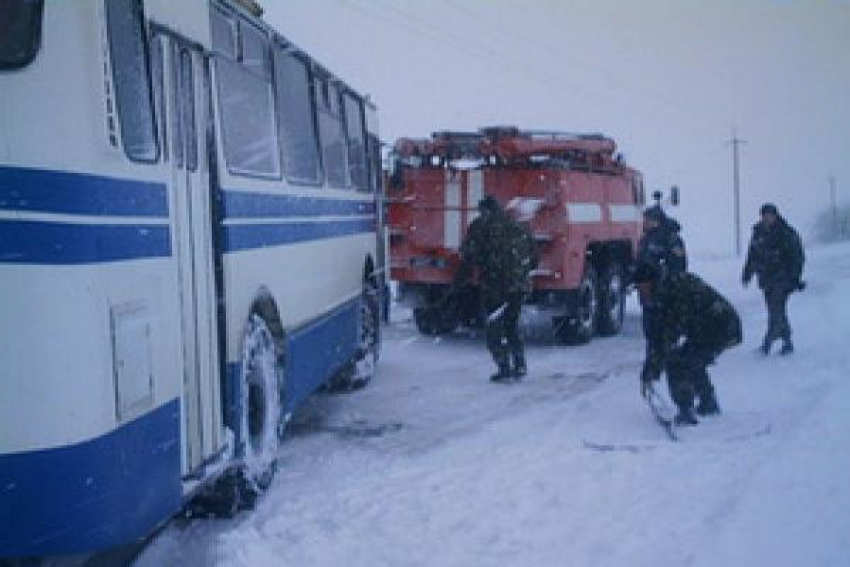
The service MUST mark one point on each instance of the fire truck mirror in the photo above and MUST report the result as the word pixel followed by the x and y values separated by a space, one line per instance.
pixel 674 195
pixel 396 177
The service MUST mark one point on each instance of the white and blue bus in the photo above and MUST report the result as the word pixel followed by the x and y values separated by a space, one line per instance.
pixel 190 246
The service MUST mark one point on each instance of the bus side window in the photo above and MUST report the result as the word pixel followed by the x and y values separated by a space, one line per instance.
pixel 20 32
pixel 246 107
pixel 356 137
pixel 187 109
pixel 158 77
pixel 131 80
pixel 174 103
pixel 331 134
pixel 296 108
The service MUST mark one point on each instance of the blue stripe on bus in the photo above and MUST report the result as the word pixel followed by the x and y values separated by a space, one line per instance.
pixel 23 189
pixel 250 236
pixel 239 204
pixel 107 491
pixel 35 242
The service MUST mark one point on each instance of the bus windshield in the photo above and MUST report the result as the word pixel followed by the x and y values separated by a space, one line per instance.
pixel 20 32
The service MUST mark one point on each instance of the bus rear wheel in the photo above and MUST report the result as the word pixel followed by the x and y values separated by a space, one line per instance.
pixel 359 372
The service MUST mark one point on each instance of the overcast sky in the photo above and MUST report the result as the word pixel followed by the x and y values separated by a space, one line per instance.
pixel 667 79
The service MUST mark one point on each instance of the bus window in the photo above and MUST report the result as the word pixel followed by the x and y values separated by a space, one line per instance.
pixel 247 113
pixel 223 34
pixel 354 122
pixel 126 31
pixel 158 78
pixel 331 134
pixel 20 32
pixel 187 109
pixel 297 111
pixel 254 54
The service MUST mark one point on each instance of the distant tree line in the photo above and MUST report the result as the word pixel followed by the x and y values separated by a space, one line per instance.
pixel 832 225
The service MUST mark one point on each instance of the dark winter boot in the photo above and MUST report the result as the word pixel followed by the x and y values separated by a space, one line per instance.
pixel 708 406
pixel 787 348
pixel 520 369
pixel 503 375
pixel 685 417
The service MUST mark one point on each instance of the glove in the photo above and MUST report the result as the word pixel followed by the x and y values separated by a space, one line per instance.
pixel 647 377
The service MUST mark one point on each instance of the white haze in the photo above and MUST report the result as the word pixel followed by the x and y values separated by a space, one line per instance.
pixel 667 79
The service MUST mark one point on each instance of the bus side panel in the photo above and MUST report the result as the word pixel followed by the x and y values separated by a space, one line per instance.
pixel 92 495
pixel 318 350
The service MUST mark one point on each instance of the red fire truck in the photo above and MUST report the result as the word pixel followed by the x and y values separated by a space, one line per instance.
pixel 582 203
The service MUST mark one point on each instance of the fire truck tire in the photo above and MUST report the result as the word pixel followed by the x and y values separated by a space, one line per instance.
pixel 580 326
pixel 432 321
pixel 612 300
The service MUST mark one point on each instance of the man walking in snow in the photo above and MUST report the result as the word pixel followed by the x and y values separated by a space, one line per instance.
pixel 776 256
pixel 503 251
pixel 692 325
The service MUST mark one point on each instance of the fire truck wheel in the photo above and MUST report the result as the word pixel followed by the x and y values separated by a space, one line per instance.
pixel 612 300
pixel 432 321
pixel 580 326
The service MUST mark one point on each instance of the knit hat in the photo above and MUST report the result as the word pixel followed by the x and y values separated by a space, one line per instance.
pixel 768 208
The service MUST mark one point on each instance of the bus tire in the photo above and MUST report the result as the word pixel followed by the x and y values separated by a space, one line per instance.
pixel 612 299
pixel 579 326
pixel 261 420
pixel 359 372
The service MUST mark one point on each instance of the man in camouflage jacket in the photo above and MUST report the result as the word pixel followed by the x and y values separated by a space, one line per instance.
pixel 776 256
pixel 503 251
pixel 693 325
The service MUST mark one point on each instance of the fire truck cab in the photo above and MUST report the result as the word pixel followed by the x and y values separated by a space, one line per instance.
pixel 581 201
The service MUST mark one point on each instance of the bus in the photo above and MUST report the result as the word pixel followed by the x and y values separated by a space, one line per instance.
pixel 190 246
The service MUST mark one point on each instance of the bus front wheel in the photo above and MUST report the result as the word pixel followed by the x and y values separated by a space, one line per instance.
pixel 262 381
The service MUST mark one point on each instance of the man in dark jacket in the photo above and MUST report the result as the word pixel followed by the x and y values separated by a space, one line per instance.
pixel 693 325
pixel 661 243
pixel 503 251
pixel 776 256
pixel 663 247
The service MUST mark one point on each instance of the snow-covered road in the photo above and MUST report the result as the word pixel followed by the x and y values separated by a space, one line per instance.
pixel 434 465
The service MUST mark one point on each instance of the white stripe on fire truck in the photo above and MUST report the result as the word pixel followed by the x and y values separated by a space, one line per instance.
pixel 451 222
pixel 474 192
pixel 584 212
pixel 623 213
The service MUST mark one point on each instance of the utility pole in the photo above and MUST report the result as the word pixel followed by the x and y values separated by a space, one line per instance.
pixel 736 187
pixel 833 207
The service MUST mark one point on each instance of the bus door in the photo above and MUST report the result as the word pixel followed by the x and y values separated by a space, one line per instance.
pixel 188 111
